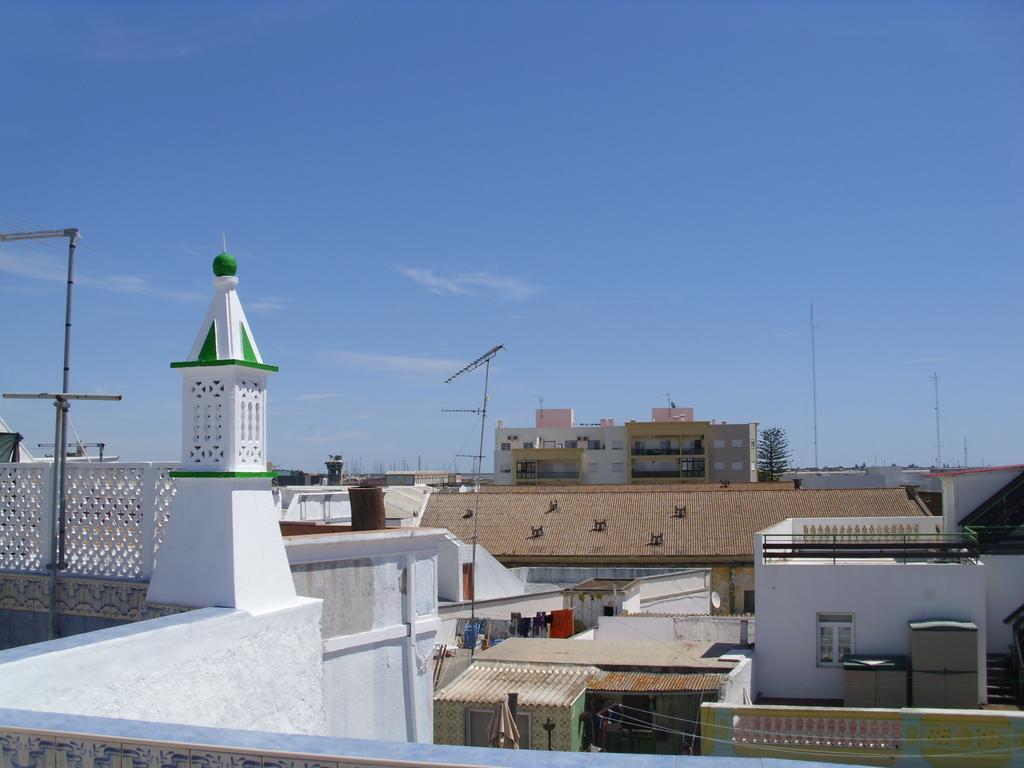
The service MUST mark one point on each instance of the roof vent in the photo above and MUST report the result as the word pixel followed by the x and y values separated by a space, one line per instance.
pixel 657 539
pixel 467 514
pixel 553 506
pixel 680 511
pixel 723 484
pixel 536 532
pixel 600 525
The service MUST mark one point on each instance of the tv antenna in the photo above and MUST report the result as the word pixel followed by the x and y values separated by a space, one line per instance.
pixel 668 399
pixel 485 361
pixel 814 388
pixel 540 401
pixel 938 439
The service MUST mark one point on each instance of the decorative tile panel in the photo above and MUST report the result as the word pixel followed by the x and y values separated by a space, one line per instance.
pixel 81 597
pixel 286 762
pixel 153 756
pixel 204 759
pixel 84 753
pixel 22 750
pixel 22 489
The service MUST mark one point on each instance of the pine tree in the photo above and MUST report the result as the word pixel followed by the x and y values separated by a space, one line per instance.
pixel 773 454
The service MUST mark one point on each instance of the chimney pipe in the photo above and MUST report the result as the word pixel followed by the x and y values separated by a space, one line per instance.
pixel 513 705
pixel 367 509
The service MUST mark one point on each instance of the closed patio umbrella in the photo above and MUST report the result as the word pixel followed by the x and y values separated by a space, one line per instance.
pixel 502 729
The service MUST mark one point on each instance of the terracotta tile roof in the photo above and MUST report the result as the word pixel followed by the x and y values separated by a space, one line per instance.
pixel 654 682
pixel 619 488
pixel 719 526
pixel 547 685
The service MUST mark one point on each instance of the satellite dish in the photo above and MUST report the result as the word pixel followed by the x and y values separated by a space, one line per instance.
pixel 716 600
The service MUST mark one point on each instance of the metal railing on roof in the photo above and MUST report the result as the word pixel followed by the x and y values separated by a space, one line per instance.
pixel 841 547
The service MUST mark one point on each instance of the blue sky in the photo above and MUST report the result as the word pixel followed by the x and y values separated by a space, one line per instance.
pixel 635 198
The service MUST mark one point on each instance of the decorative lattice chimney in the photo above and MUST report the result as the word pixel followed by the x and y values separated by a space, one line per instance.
pixel 223 543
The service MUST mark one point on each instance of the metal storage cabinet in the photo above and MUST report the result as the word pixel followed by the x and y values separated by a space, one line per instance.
pixel 875 681
pixel 944 656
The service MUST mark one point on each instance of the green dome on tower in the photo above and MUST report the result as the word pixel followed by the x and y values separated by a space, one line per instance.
pixel 225 265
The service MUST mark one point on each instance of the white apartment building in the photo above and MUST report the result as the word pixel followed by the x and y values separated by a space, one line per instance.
pixel 670 448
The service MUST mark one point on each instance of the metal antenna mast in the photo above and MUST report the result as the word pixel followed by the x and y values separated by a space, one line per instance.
pixel 483 360
pixel 938 439
pixel 965 451
pixel 814 388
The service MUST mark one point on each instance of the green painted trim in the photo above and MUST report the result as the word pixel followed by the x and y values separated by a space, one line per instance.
pixel 210 363
pixel 247 352
pixel 223 474
pixel 209 350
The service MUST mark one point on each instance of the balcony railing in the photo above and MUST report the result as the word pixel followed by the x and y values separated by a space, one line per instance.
pixel 638 451
pixel 903 547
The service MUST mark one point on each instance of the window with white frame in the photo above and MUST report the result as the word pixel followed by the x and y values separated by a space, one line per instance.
pixel 718 443
pixel 616 445
pixel 738 443
pixel 618 466
pixel 737 466
pixel 835 638
pixel 506 446
pixel 719 466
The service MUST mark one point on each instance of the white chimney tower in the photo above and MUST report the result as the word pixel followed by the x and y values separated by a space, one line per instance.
pixel 223 543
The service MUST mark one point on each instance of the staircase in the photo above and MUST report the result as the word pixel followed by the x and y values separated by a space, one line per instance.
pixel 1001 684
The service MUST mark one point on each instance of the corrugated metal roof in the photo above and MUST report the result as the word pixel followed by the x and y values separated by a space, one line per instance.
pixel 547 685
pixel 719 526
pixel 653 682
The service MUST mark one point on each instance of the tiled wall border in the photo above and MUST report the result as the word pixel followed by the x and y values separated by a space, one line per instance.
pixel 79 596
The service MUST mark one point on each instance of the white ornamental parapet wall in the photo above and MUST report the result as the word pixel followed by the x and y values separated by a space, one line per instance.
pixel 954 738
pixel 116 513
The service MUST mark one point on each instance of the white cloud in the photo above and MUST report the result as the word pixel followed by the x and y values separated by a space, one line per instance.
pixel 266 305
pixel 471 284
pixel 395 363
pixel 47 268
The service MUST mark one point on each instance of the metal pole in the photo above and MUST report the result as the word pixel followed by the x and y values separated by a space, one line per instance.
pixel 814 389
pixel 62 446
pixel 476 512
pixel 58 436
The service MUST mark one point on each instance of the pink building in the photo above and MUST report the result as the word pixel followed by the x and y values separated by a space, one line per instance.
pixel 554 417
pixel 671 414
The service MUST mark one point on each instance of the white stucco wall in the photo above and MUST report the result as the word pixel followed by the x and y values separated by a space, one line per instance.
pixel 705 629
pixel 380 625
pixel 962 494
pixel 883 597
pixel 214 667
pixel 736 688
pixel 1004 593
pixel 698 602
